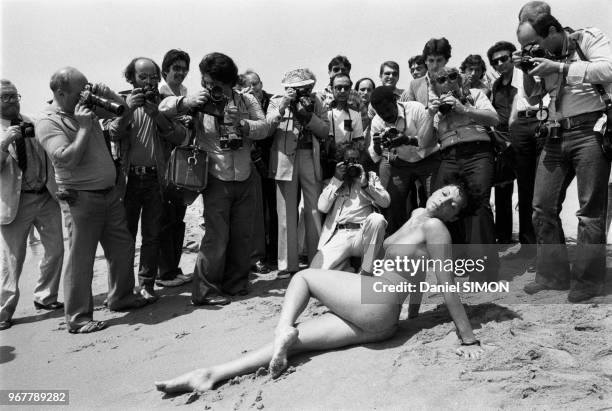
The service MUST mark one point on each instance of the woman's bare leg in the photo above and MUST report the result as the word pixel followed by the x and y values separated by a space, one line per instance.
pixel 322 333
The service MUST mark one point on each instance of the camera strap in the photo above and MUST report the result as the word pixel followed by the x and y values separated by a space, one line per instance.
pixel 334 124
pixel 598 87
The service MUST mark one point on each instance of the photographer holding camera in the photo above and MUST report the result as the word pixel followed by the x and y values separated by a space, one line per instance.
pixel 143 133
pixel 352 228
pixel 27 199
pixel 402 142
pixel 462 116
pixel 85 172
pixel 298 121
pixel 226 122
pixel 572 66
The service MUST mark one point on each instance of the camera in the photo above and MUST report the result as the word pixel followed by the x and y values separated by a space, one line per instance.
pixel 303 99
pixel 90 99
pixel 527 53
pixel 548 131
pixel 352 168
pixel 445 108
pixel 230 137
pixel 151 93
pixel 27 129
pixel 215 105
pixel 392 138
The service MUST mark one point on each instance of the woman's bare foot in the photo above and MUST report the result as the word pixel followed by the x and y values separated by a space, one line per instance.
pixel 284 339
pixel 198 380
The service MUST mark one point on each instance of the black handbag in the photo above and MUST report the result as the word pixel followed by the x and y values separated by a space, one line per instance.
pixel 187 170
pixel 503 154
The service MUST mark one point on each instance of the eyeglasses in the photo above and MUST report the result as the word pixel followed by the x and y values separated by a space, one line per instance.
pixel 179 68
pixel 451 77
pixel 10 98
pixel 339 69
pixel 143 77
pixel 342 88
pixel 500 60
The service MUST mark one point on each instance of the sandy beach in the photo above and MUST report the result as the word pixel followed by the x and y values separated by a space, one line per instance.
pixel 544 354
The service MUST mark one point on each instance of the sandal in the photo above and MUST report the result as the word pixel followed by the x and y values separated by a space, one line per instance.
pixel 90 327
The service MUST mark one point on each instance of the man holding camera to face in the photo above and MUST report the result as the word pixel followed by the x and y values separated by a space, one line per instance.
pixel 298 121
pixel 352 228
pixel 27 199
pixel 402 141
pixel 226 122
pixel 86 175
pixel 572 66
pixel 142 133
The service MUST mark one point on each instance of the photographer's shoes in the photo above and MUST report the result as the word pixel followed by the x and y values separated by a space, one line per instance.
pixel 533 288
pixel 212 299
pixel 148 294
pixel 260 268
pixel 53 306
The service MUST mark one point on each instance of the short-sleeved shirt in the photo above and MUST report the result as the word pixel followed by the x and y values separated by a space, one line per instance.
pixel 55 130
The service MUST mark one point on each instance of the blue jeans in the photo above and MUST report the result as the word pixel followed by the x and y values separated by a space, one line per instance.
pixel 575 153
pixel 143 202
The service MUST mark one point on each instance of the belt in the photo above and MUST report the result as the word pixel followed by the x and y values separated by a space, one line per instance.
pixel 100 191
pixel 527 113
pixel 467 145
pixel 570 122
pixel 348 226
pixel 142 170
pixel 41 191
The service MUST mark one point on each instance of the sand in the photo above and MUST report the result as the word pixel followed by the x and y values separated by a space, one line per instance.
pixel 544 354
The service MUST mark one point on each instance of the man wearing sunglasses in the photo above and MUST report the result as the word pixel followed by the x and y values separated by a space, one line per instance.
pixel 576 65
pixel 465 148
pixel 337 65
pixel 517 117
pixel 143 132
pixel 27 199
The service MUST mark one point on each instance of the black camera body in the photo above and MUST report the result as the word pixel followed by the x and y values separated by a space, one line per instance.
pixel 230 138
pixel 445 108
pixel 527 53
pixel 151 93
pixel 215 106
pixel 352 168
pixel 27 129
pixel 392 138
pixel 90 99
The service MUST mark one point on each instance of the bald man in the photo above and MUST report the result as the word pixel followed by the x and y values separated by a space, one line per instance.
pixel 27 199
pixel 532 9
pixel 85 172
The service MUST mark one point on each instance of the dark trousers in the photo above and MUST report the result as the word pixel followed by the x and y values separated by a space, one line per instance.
pixel 265 231
pixel 474 161
pixel 172 235
pixel 401 186
pixel 526 152
pixel 143 202
pixel 223 261
pixel 503 212
pixel 576 153
pixel 97 217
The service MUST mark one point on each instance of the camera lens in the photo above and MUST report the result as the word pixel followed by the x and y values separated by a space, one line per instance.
pixel 216 93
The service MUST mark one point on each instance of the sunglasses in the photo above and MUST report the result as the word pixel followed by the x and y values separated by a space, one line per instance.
pixel 342 88
pixel 451 77
pixel 11 98
pixel 500 60
pixel 337 69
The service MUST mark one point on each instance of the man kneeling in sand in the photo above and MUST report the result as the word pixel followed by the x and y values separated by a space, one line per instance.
pixel 349 321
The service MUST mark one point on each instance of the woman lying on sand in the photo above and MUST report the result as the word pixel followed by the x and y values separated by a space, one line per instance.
pixel 351 322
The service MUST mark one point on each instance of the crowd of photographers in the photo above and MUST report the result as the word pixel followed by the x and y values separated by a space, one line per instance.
pixel 322 176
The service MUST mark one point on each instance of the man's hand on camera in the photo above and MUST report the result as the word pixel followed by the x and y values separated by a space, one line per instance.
pixel 11 134
pixel 103 90
pixel 340 171
pixel 545 67
pixel 150 108
pixel 433 106
pixel 459 107
pixel 83 116
pixel 377 145
pixel 196 100
pixel 286 100
pixel 244 128
pixel 135 99
pixel 303 114
pixel 186 121
pixel 517 57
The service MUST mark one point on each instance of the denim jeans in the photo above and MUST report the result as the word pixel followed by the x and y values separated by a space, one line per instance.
pixel 575 153
pixel 143 202
pixel 473 161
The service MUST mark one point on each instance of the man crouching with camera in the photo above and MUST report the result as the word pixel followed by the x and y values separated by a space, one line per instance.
pixel 71 135
pixel 27 199
pixel 403 141
pixel 226 121
pixel 352 227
